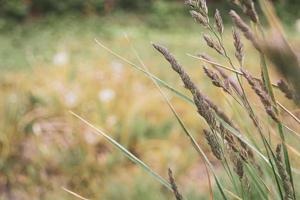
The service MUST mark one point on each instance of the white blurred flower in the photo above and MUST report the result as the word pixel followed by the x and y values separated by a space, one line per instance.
pixel 71 99
pixel 36 129
pixel 117 67
pixel 91 137
pixel 61 58
pixel 106 95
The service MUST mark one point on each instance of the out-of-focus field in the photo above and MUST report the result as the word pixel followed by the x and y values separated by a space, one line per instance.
pixel 52 67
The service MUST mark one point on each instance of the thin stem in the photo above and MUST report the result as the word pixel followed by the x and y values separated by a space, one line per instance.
pixel 288 112
pixel 224 67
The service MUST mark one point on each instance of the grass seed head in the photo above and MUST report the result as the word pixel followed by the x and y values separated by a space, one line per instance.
pixel 284 88
pixel 286 182
pixel 176 192
pixel 198 17
pixel 239 47
pixel 245 29
pixel 213 44
pixel 213 143
pixel 219 22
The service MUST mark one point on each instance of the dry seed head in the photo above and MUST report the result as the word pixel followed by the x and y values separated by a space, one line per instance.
pixel 283 86
pixel 203 104
pixel 227 79
pixel 200 100
pixel 249 9
pixel 245 29
pixel 260 90
pixel 216 80
pixel 286 181
pixel 177 195
pixel 203 7
pixel 219 22
pixel 242 149
pixel 214 144
pixel 212 44
pixel 198 17
pixel 239 167
pixel 272 114
pixel 213 76
pixel 228 137
pixel 190 3
pixel 219 112
pixel 239 47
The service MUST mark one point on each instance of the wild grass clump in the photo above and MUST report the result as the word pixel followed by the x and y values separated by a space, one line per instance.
pixel 257 160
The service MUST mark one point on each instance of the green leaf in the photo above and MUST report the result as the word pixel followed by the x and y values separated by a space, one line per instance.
pixel 127 153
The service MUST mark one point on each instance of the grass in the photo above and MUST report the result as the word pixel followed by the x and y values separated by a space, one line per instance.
pixel 53 66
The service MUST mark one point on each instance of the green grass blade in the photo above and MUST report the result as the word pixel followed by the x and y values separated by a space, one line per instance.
pixel 132 157
pixel 74 194
pixel 268 86
pixel 258 182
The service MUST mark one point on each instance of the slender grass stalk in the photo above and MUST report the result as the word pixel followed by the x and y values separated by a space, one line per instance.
pixel 288 112
pixel 127 153
pixel 224 67
pixel 74 194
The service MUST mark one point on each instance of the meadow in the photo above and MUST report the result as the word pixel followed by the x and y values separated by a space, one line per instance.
pixel 54 66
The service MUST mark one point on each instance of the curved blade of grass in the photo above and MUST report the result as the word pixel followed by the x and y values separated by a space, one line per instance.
pixel 258 182
pixel 288 112
pixel 74 194
pixel 159 81
pixel 232 194
pixel 127 153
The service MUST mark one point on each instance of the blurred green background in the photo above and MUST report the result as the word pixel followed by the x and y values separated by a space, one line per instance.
pixel 50 64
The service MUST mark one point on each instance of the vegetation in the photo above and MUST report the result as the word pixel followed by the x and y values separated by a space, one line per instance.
pixel 21 10
pixel 44 148
pixel 251 165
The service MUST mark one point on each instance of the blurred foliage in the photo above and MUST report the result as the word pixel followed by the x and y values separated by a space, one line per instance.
pixel 288 10
pixel 43 148
pixel 24 9
pixel 54 66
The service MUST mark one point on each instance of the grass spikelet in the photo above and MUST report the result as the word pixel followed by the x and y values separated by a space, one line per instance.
pixel 239 47
pixel 199 99
pixel 198 17
pixel 286 182
pixel 213 143
pixel 219 22
pixel 245 29
pixel 249 9
pixel 213 44
pixel 223 74
pixel 284 88
pixel 266 100
pixel 203 7
pixel 176 193
pixel 238 165
pixel 213 76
